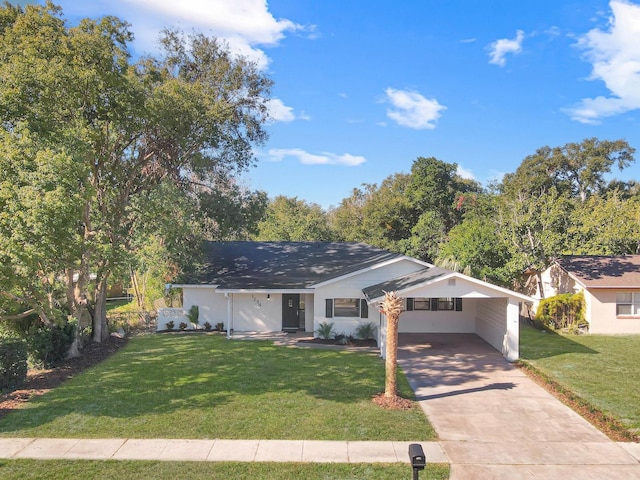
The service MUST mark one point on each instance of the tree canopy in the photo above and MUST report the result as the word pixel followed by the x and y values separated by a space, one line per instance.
pixel 120 130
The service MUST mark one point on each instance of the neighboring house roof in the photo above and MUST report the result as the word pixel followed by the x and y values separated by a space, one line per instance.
pixel 594 271
pixel 405 282
pixel 282 265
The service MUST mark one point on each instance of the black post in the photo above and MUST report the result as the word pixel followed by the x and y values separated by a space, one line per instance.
pixel 417 458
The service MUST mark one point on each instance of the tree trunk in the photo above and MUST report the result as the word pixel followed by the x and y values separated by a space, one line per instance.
pixel 100 330
pixel 391 363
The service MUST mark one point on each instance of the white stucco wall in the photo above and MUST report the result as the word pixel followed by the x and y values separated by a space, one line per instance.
pixel 175 315
pixel 351 287
pixel 491 321
pixel 497 322
pixel 444 321
pixel 255 312
pixel 212 306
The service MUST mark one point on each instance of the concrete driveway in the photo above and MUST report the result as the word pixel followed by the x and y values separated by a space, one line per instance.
pixel 494 422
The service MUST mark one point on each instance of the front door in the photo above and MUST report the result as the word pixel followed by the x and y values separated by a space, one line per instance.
pixel 290 311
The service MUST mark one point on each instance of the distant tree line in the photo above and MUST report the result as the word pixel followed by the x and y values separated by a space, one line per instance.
pixel 557 202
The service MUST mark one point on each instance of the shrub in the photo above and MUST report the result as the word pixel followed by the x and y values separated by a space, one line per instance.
pixel 13 362
pixel 182 326
pixel 325 330
pixel 207 326
pixel 220 327
pixel 170 325
pixel 193 315
pixel 47 345
pixel 365 331
pixel 562 312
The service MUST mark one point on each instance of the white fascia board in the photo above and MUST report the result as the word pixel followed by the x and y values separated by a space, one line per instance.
pixel 192 285
pixel 491 286
pixel 505 291
pixel 372 267
pixel 264 290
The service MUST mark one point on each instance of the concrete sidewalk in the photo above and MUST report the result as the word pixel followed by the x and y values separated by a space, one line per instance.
pixel 315 451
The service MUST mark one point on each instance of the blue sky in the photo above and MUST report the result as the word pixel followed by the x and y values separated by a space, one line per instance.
pixel 364 88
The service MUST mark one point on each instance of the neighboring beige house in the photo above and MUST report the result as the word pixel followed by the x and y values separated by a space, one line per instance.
pixel 297 286
pixel 611 287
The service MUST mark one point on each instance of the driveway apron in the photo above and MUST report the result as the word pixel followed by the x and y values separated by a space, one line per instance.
pixel 493 422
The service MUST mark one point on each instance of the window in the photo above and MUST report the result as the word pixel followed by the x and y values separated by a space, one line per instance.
pixel 434 304
pixel 346 307
pixel 446 303
pixel 628 304
pixel 422 304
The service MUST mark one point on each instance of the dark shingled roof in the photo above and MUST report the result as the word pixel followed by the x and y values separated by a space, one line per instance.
pixel 603 271
pixel 282 265
pixel 407 281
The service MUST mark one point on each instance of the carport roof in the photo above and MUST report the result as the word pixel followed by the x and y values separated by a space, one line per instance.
pixel 405 282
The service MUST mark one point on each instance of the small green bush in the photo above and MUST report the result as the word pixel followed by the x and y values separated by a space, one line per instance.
pixel 207 326
pixel 325 331
pixel 47 345
pixel 562 312
pixel 170 325
pixel 183 326
pixel 13 362
pixel 366 331
pixel 193 315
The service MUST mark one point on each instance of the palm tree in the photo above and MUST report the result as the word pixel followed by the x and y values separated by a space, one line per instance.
pixel 392 306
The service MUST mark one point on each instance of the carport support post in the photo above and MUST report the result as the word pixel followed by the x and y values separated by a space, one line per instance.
pixel 512 337
pixel 229 315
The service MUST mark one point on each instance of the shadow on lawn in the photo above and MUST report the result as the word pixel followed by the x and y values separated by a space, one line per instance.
pixel 537 344
pixel 181 374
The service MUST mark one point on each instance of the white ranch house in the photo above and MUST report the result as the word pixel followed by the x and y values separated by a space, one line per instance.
pixel 296 286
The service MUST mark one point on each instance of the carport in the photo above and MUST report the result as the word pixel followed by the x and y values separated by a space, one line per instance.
pixel 442 301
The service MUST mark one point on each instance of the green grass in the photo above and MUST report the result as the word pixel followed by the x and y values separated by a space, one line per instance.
pixel 601 369
pixel 59 469
pixel 204 386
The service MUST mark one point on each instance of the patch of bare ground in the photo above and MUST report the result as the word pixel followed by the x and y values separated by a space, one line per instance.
pixel 39 382
pixel 392 403
pixel 607 424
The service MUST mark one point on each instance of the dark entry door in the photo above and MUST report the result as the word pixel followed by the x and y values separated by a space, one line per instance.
pixel 290 311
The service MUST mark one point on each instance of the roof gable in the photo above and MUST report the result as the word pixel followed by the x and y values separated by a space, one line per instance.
pixel 435 276
pixel 603 271
pixel 283 265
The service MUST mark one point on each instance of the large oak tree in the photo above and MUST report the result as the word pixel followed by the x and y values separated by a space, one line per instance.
pixel 186 117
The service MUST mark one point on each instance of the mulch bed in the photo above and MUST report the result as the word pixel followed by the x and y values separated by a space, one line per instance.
pixel 392 403
pixel 39 382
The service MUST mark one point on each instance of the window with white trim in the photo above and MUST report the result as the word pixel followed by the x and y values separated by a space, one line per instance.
pixel 628 304
pixel 346 307
pixel 446 303
pixel 422 304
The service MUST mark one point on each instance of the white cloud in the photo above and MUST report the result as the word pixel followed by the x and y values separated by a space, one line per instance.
pixel 464 173
pixel 412 109
pixel 500 48
pixel 279 112
pixel 245 25
pixel 324 158
pixel 615 57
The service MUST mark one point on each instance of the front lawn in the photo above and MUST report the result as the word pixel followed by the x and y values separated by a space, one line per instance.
pixel 601 369
pixel 204 386
pixel 61 469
